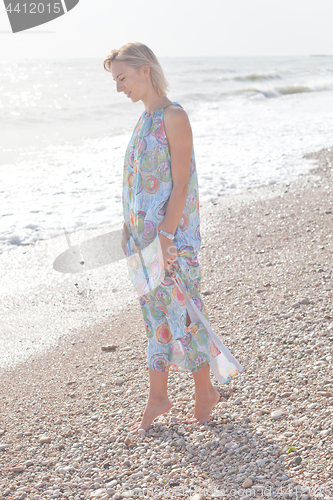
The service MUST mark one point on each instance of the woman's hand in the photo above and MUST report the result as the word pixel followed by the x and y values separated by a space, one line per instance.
pixel 124 238
pixel 169 251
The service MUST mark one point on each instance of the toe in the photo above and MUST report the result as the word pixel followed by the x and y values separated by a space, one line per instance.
pixel 135 426
pixel 192 420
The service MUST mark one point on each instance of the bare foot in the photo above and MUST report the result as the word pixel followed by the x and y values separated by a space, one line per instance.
pixel 203 407
pixel 153 409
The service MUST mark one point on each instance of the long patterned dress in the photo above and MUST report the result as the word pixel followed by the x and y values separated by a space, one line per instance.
pixel 147 185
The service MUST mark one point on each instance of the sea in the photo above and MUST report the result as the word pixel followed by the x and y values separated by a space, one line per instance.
pixel 64 132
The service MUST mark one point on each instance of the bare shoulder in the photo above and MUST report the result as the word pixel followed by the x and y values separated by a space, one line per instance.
pixel 176 117
pixel 175 113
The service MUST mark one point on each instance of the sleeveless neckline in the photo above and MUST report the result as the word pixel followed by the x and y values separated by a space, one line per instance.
pixel 158 109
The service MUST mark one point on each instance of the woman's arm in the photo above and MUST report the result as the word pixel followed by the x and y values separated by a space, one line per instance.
pixel 180 141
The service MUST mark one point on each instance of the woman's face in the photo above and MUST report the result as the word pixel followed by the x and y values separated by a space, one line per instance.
pixel 133 82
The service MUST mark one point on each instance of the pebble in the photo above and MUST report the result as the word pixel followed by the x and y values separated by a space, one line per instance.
pixel 276 414
pixel 45 439
pixel 111 484
pixel 100 492
pixel 261 462
pixel 119 380
pixel 297 460
pixel 18 468
pixel 137 475
pixel 247 483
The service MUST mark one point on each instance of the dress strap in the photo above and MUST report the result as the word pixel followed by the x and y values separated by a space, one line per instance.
pixel 175 103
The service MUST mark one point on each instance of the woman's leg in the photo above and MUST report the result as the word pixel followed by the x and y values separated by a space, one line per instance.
pixel 158 401
pixel 206 397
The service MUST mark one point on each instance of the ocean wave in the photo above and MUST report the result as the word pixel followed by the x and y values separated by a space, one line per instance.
pixel 258 77
pixel 274 92
pixel 300 89
pixel 254 91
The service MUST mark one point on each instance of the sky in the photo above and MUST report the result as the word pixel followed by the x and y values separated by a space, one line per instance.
pixel 178 28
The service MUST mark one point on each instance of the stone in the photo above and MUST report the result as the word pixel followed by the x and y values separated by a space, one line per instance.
pixel 297 460
pixel 111 484
pixel 137 474
pixel 247 483
pixel 198 496
pixel 301 420
pixel 44 439
pixel 231 445
pixel 128 440
pixel 100 492
pixel 304 302
pixel 22 496
pixel 109 348
pixel 119 380
pixel 261 462
pixel 18 468
pixel 3 446
pixel 276 414
pixel 141 432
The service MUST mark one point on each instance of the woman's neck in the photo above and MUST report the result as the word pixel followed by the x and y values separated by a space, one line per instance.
pixel 154 102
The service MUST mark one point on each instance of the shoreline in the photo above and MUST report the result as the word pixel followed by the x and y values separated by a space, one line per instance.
pixel 266 260
pixel 28 279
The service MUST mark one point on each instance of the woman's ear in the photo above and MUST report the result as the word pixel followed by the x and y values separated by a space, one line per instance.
pixel 146 71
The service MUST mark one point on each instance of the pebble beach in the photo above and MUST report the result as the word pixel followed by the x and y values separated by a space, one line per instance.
pixel 266 261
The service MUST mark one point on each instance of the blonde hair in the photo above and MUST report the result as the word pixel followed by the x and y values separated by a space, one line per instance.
pixel 136 55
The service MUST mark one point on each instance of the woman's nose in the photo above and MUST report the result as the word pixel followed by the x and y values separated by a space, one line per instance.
pixel 120 87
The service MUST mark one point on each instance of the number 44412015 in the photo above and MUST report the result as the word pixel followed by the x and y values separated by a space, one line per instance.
pixel 34 8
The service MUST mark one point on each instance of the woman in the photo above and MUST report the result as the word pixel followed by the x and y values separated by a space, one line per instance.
pixel 160 200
